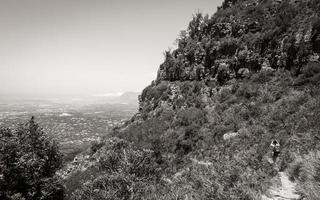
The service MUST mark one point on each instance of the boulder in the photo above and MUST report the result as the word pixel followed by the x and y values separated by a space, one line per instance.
pixel 230 135
pixel 243 72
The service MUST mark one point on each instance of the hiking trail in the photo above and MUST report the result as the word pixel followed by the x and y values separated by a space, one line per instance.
pixel 282 189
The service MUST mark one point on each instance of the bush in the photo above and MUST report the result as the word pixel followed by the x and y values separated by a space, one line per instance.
pixel 95 146
pixel 124 173
pixel 262 77
pixel 310 74
pixel 28 162
pixel 315 38
pixel 306 171
pixel 190 116
pixel 286 12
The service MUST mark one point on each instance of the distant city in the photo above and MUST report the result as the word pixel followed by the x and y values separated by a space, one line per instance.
pixel 73 123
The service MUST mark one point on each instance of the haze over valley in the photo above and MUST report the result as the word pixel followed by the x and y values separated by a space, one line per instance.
pixel 73 122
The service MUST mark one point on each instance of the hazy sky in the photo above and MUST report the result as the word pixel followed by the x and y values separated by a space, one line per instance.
pixel 88 47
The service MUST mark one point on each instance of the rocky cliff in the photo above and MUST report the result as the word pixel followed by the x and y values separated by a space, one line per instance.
pixel 245 36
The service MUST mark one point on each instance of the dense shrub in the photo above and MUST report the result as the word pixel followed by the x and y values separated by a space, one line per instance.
pixel 316 39
pixel 310 73
pixel 28 162
pixel 154 92
pixel 124 173
pixel 190 116
pixel 306 171
pixel 95 146
pixel 286 12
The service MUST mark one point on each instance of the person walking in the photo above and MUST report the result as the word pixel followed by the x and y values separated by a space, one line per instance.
pixel 275 145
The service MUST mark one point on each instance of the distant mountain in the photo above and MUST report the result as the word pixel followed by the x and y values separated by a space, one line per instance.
pixel 129 97
pixel 122 98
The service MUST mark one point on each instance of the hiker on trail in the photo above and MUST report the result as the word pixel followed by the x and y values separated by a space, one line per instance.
pixel 275 145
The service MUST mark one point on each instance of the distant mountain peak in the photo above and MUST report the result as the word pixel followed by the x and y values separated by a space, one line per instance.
pixel 110 94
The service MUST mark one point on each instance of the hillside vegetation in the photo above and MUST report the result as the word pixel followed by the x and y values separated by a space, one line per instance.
pixel 246 75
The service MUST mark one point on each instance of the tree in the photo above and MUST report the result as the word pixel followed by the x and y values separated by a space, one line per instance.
pixel 316 35
pixel 29 160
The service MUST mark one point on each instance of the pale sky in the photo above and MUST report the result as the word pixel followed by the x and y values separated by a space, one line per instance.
pixel 88 47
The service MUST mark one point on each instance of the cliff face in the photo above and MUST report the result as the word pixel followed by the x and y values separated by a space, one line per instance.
pixel 245 35
pixel 239 79
pixel 247 43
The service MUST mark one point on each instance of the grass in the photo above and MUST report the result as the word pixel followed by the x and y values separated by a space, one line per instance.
pixel 305 170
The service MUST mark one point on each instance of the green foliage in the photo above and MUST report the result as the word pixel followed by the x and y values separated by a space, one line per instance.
pixel 316 35
pixel 286 13
pixel 200 97
pixel 28 162
pixel 306 171
pixel 95 146
pixel 227 3
pixel 244 34
pixel 147 133
pixel 124 173
pixel 190 116
pixel 157 92
pixel 314 4
pixel 310 73
pixel 258 109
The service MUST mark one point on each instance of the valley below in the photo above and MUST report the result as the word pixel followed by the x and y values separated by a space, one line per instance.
pixel 73 125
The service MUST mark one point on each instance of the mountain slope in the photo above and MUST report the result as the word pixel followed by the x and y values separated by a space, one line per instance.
pixel 239 79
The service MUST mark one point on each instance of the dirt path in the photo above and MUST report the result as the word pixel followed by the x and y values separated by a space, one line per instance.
pixel 282 189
